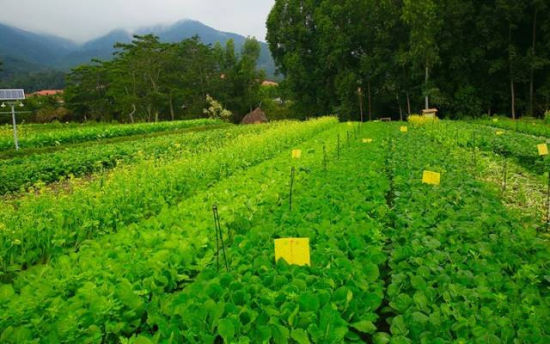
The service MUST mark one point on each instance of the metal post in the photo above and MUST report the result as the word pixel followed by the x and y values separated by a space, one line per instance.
pixel 14 127
pixel 219 239
pixel 292 171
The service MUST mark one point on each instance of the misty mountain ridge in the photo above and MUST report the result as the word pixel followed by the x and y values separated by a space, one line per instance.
pixel 27 51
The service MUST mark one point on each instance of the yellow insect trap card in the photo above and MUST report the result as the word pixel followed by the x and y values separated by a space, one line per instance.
pixel 543 149
pixel 499 132
pixel 296 154
pixel 404 129
pixel 432 178
pixel 367 140
pixel 294 251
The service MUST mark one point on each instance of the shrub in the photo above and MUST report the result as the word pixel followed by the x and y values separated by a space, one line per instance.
pixel 418 120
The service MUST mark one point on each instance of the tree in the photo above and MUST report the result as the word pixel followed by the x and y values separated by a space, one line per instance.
pixel 148 80
pixel 423 18
pixel 486 55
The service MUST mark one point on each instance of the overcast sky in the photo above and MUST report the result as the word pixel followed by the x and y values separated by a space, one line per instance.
pixel 81 20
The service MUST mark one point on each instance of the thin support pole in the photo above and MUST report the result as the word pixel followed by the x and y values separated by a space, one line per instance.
pixel 15 139
pixel 292 172
pixel 219 238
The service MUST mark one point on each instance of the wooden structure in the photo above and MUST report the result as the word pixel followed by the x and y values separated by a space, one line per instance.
pixel 429 113
pixel 255 117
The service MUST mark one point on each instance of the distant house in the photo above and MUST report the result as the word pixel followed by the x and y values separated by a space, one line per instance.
pixel 255 117
pixel 269 83
pixel 46 93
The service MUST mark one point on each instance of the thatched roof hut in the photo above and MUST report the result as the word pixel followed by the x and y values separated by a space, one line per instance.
pixel 255 117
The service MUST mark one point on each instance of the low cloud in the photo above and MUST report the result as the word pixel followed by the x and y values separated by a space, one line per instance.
pixel 83 20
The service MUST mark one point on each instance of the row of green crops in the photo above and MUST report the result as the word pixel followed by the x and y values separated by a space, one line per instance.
pixel 18 174
pixel 520 147
pixel 393 260
pixel 35 227
pixel 526 126
pixel 342 212
pixel 463 269
pixel 105 290
pixel 41 136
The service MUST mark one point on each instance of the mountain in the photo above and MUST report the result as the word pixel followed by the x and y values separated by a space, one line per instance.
pixel 33 48
pixel 38 52
pixel 99 48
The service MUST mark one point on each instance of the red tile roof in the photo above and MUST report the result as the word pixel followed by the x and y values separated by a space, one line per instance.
pixel 46 93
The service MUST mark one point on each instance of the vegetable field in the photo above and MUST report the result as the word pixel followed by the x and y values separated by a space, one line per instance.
pixel 170 238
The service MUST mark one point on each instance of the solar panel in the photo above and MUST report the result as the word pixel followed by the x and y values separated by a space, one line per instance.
pixel 12 94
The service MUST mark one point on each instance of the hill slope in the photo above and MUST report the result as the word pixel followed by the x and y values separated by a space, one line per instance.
pixel 34 52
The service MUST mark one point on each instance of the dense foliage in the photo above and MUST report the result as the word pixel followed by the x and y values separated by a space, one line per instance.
pixel 465 57
pixel 44 167
pixel 44 224
pixel 149 80
pixel 393 260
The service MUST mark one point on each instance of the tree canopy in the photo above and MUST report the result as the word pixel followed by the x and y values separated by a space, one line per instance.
pixel 148 80
pixel 465 57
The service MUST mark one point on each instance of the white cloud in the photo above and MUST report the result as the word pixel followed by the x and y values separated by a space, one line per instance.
pixel 81 20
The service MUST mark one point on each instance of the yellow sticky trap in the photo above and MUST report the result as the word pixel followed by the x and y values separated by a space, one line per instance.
pixel 433 178
pixel 404 129
pixel 367 140
pixel 543 149
pixel 499 132
pixel 294 250
pixel 296 154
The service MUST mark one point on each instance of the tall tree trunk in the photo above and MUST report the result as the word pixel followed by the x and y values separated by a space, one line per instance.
pixel 399 105
pixel 512 90
pixel 532 74
pixel 513 95
pixel 148 113
pixel 427 77
pixel 360 94
pixel 172 115
pixel 408 104
pixel 131 114
pixel 370 100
